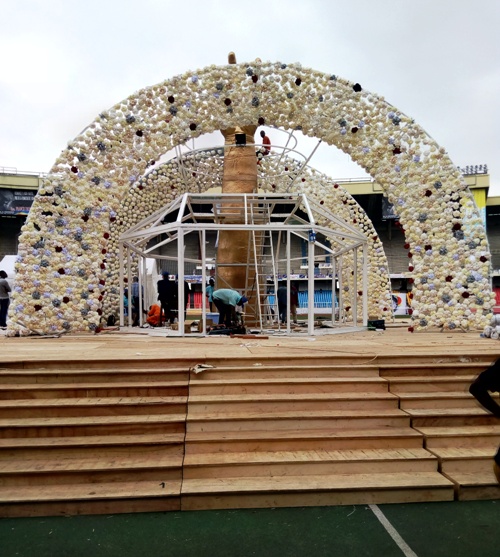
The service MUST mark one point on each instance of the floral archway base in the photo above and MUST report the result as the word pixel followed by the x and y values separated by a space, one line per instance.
pixel 63 265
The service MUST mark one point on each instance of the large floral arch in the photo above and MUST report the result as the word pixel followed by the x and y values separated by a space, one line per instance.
pixel 63 262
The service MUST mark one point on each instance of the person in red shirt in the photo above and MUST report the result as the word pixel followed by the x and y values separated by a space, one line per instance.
pixel 266 145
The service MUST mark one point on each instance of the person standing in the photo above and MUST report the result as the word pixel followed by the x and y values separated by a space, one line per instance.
pixel 486 382
pixel 282 302
pixel 209 293
pixel 225 301
pixel 136 301
pixel 294 302
pixel 167 297
pixel 266 144
pixel 4 299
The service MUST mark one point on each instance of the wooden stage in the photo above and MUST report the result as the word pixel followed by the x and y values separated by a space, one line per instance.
pixel 121 422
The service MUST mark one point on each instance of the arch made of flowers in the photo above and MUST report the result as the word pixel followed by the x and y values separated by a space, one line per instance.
pixel 62 265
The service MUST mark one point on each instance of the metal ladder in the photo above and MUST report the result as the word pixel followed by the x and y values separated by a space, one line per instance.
pixel 261 269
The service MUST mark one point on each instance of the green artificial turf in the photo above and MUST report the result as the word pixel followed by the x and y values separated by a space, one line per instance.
pixel 430 529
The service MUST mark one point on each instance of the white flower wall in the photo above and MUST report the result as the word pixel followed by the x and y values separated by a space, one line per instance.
pixel 63 267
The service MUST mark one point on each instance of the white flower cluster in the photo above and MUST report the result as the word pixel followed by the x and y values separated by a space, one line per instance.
pixel 63 264
pixel 493 329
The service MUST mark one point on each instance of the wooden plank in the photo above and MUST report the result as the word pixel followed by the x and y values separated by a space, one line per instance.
pixel 287 385
pixel 402 385
pixel 478 492
pixel 476 479
pixel 431 368
pixel 90 441
pixel 286 463
pixel 65 492
pixel 93 425
pixel 461 436
pixel 108 506
pixel 31 452
pixel 291 370
pixel 91 390
pixel 414 402
pixel 317 498
pixel 95 463
pixel 91 477
pixel 290 397
pixel 320 419
pixel 232 405
pixel 214 486
pixel 459 453
pixel 42 376
pixel 301 440
pixel 280 432
pixel 452 431
pixel 452 420
pixel 260 457
pixel 104 406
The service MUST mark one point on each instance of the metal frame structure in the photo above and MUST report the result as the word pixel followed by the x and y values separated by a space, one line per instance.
pixel 288 214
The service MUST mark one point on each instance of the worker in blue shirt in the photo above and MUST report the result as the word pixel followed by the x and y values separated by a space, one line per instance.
pixel 226 300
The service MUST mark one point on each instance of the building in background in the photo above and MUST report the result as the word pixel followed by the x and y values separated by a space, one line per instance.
pixel 17 191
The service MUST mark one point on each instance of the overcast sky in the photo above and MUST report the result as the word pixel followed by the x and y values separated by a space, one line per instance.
pixel 64 61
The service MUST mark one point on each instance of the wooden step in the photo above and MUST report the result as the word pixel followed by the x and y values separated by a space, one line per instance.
pixel 276 439
pixel 317 490
pixel 436 417
pixel 106 406
pixel 230 361
pixel 295 463
pixel 78 438
pixel 75 447
pixel 465 460
pixel 291 370
pixel 92 375
pixel 461 436
pixel 414 401
pixel 92 390
pixel 319 419
pixel 473 486
pixel 95 498
pixel 92 425
pixel 113 362
pixel 265 403
pixel 433 367
pixel 96 468
pixel 291 385
pixel 400 385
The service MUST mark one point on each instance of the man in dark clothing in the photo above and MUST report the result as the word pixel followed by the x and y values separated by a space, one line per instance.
pixel 167 297
pixel 486 382
pixel 294 302
pixel 282 303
